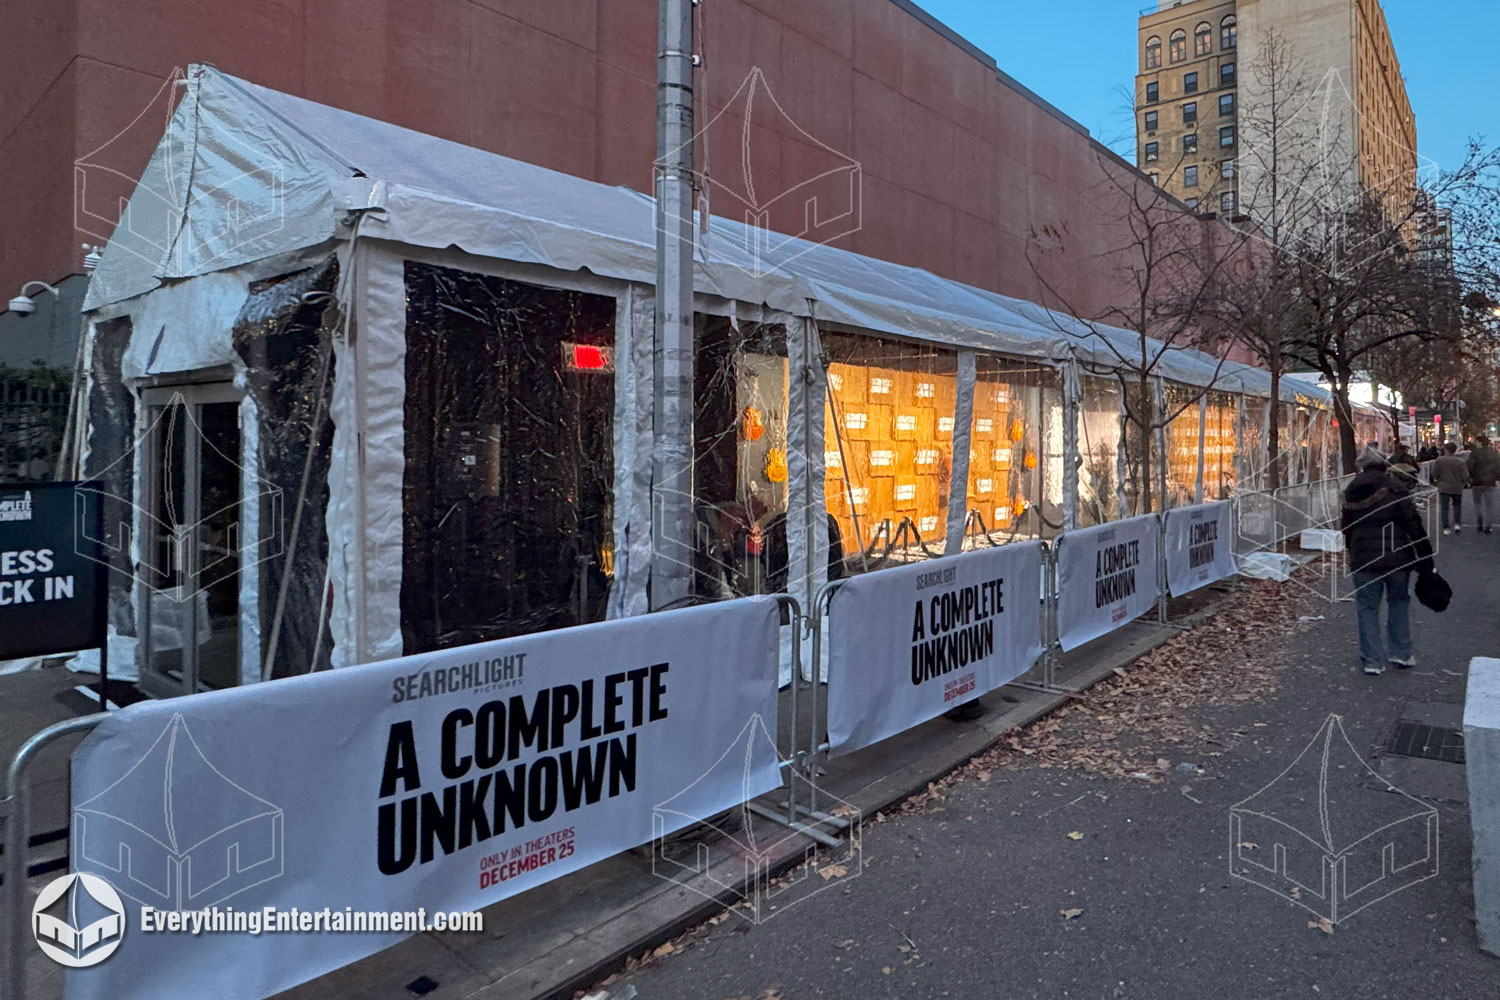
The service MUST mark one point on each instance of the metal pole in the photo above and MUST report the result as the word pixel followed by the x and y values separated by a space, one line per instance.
pixel 17 840
pixel 672 449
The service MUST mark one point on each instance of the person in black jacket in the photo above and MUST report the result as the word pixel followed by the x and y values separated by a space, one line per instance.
pixel 1386 540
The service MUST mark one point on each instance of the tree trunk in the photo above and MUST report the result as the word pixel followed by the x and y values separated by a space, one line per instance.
pixel 1146 425
pixel 1273 432
pixel 1345 414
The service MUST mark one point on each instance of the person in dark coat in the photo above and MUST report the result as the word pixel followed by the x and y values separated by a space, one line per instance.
pixel 1484 473
pixel 1386 540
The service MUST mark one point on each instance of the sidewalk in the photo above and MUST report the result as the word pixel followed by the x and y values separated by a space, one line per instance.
pixel 1089 856
pixel 560 936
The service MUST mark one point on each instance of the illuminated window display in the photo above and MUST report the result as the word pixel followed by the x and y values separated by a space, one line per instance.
pixel 888 447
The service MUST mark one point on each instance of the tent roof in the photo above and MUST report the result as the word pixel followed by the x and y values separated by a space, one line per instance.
pixel 245 173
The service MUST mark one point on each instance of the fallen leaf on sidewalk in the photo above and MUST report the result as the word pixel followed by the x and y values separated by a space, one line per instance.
pixel 1323 924
pixel 885 970
pixel 663 951
pixel 844 810
pixel 1250 844
pixel 1075 835
pixel 1072 914
pixel 832 871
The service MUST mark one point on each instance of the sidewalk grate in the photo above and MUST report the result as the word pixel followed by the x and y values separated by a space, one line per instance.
pixel 1417 739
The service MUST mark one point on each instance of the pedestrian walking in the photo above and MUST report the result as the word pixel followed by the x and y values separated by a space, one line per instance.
pixel 1484 472
pixel 1386 541
pixel 1450 475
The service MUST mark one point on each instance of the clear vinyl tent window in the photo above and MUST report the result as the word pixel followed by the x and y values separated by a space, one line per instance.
pixel 1251 443
pixel 1011 493
pixel 888 447
pixel 508 493
pixel 1182 413
pixel 740 461
pixel 1098 450
pixel 1220 450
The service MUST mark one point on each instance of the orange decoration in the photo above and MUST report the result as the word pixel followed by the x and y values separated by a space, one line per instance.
pixel 1017 429
pixel 775 465
pixel 752 426
pixel 1018 506
pixel 1030 460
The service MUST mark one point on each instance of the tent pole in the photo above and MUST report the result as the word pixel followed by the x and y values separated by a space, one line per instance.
pixel 673 549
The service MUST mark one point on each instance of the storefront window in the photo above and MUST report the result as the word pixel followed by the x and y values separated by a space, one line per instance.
pixel 888 447
pixel 508 495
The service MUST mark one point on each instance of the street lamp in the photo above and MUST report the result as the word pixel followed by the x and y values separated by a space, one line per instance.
pixel 24 304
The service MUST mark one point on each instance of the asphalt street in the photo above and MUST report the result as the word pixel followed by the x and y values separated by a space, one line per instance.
pixel 1041 878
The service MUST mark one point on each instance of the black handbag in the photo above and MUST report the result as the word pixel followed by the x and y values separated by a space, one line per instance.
pixel 1433 591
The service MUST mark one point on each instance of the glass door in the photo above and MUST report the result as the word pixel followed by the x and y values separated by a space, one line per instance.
pixel 191 542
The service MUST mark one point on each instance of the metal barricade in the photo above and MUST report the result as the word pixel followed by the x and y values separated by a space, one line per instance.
pixel 17 809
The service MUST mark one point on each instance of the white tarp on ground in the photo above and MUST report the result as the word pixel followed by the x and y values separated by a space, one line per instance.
pixel 272 173
pixel 905 645
pixel 1106 578
pixel 444 781
pixel 1199 545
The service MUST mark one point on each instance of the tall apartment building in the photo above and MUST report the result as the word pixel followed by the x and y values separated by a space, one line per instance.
pixel 1202 101
pixel 1187 101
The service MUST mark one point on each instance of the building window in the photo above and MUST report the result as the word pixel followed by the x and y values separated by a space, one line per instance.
pixel 1155 179
pixel 1190 83
pixel 1226 75
pixel 1190 112
pixel 1153 52
pixel 1229 33
pixel 1203 39
pixel 1226 203
pixel 1190 142
pixel 1190 177
pixel 1226 136
pixel 1226 169
pixel 1152 150
pixel 1226 105
pixel 1151 121
pixel 1153 93
pixel 1192 203
pixel 1177 47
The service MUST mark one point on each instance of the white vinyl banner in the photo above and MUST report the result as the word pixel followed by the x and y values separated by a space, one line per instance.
pixel 1199 547
pixel 1106 577
pixel 443 781
pixel 906 645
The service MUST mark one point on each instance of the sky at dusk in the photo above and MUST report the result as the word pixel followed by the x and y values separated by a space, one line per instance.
pixel 1080 56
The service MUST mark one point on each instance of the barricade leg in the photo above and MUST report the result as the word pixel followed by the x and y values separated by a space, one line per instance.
pixel 796 762
pixel 17 802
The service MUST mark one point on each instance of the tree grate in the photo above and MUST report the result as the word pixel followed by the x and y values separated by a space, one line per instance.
pixel 1417 739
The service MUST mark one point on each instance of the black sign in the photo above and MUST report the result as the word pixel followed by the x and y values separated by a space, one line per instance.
pixel 52 572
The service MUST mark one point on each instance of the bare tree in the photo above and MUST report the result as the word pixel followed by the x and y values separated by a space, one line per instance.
pixel 1168 261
